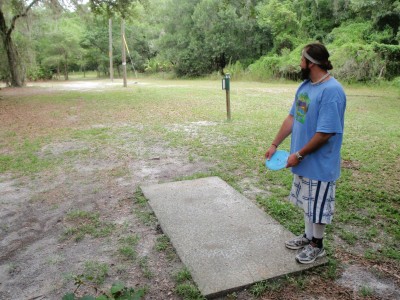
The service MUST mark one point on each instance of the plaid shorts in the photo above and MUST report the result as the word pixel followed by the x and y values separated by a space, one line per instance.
pixel 317 198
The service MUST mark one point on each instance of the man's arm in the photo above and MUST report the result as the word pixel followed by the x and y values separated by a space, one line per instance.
pixel 314 144
pixel 284 132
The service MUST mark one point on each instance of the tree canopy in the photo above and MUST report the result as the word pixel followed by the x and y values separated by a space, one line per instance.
pixel 197 37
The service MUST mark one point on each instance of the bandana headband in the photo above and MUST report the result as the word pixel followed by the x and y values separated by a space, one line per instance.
pixel 306 55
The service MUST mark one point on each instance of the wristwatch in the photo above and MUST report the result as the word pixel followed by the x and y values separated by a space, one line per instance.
pixel 299 157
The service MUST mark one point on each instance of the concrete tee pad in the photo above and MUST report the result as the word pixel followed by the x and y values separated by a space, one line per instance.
pixel 223 238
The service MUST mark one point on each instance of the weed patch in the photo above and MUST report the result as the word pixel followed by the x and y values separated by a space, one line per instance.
pixel 86 223
pixel 127 247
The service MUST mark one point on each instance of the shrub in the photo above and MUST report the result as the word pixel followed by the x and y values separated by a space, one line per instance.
pixel 38 73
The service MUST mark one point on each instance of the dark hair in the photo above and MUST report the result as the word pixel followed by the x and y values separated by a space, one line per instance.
pixel 319 52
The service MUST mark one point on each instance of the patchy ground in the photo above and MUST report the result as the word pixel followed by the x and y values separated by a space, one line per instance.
pixel 40 255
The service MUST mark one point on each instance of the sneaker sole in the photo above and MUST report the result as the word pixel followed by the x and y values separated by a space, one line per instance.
pixel 322 254
pixel 294 247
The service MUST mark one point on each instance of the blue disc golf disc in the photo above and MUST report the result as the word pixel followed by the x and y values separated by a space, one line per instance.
pixel 278 161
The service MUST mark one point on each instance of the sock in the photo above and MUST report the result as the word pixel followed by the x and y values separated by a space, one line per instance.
pixel 318 230
pixel 317 242
pixel 308 226
pixel 318 234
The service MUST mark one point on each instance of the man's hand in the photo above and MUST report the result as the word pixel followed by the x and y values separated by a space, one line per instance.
pixel 317 141
pixel 292 161
pixel 270 152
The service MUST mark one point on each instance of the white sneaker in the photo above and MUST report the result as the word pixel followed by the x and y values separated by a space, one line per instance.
pixel 309 254
pixel 298 242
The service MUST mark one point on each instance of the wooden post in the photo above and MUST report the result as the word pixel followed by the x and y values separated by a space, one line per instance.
pixel 228 95
pixel 110 53
pixel 228 104
pixel 123 51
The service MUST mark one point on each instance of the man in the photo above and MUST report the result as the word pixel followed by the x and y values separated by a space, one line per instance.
pixel 315 122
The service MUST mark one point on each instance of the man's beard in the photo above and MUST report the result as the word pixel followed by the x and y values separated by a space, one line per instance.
pixel 305 73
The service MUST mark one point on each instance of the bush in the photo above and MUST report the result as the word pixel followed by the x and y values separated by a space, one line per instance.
pixel 390 54
pixel 155 65
pixel 265 68
pixel 395 82
pixel 285 66
pixel 38 73
pixel 355 62
pixel 349 34
pixel 236 70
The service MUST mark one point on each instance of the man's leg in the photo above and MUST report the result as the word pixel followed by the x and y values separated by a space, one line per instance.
pixel 304 239
pixel 315 249
pixel 318 235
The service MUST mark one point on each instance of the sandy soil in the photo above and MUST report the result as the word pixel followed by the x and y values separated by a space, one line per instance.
pixel 36 262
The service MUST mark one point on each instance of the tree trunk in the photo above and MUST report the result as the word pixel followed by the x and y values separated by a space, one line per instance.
pixel 66 67
pixel 17 71
pixel 14 62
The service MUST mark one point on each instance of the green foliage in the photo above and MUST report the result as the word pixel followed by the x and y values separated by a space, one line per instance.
pixel 349 33
pixel 210 34
pixel 356 62
pixel 353 45
pixel 144 266
pixel 199 37
pixel 86 223
pixel 265 68
pixel 38 73
pixel 118 291
pixel 155 65
pixel 390 55
pixel 283 211
pixel 260 288
pixel 396 82
pixel 144 214
pixel 278 16
pixel 162 243
pixel 183 275
pixel 95 272
pixel 348 236
pixel 127 247
pixel 185 286
pixel 366 291
pixel 140 198
pixel 189 291
pixel 25 158
pixel 236 70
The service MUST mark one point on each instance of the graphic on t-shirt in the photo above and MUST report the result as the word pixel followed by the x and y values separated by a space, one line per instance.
pixel 302 103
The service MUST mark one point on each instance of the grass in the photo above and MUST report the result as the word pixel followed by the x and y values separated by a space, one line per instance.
pixel 25 159
pixel 188 291
pixel 163 244
pixel 95 272
pixel 183 275
pixel 144 266
pixel 260 288
pixel 127 247
pixel 185 286
pixel 190 116
pixel 86 223
pixel 366 291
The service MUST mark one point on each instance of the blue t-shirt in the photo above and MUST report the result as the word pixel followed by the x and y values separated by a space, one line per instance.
pixel 319 108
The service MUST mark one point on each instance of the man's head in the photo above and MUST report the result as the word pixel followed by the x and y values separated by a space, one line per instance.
pixel 314 55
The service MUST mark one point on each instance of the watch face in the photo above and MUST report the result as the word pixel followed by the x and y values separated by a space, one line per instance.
pixel 299 157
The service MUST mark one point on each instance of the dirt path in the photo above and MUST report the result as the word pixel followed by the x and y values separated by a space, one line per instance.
pixel 40 255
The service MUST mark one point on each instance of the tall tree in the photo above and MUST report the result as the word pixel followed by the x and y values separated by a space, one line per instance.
pixel 16 68
pixel 201 36
pixel 281 19
pixel 64 48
